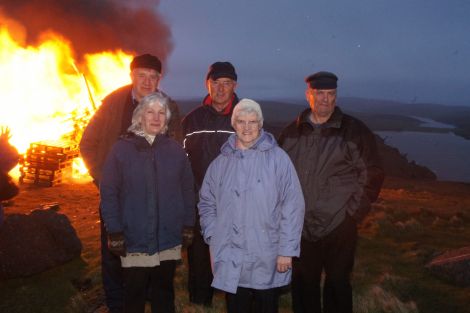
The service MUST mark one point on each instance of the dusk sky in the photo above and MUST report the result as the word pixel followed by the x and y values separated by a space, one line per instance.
pixel 410 51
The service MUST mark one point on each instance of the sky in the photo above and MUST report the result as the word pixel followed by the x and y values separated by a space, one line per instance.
pixel 413 51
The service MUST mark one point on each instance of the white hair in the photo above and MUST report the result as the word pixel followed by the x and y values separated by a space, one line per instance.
pixel 155 98
pixel 246 106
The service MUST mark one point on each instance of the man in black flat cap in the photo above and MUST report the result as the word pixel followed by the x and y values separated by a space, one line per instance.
pixel 336 159
pixel 205 129
pixel 111 120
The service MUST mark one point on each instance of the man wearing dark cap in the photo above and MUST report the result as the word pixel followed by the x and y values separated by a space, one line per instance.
pixel 205 129
pixel 111 120
pixel 336 159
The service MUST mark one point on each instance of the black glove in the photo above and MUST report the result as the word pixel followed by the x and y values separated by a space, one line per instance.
pixel 188 235
pixel 117 244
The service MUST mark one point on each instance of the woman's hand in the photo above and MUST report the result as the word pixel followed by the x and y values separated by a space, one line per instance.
pixel 117 244
pixel 284 263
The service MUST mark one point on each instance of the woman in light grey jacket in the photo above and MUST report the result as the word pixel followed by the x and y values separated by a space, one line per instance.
pixel 251 209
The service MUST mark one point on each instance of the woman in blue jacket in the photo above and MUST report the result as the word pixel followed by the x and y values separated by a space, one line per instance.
pixel 251 209
pixel 147 199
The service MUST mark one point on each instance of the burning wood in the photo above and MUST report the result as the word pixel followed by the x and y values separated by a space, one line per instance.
pixel 47 163
pixel 58 96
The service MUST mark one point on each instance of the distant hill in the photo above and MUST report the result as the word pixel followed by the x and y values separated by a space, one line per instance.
pixel 278 114
pixel 371 109
pixel 379 115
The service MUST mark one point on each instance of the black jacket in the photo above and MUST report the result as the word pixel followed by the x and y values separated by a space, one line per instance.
pixel 338 167
pixel 205 131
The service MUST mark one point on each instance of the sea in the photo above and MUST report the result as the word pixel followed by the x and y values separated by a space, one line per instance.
pixel 446 154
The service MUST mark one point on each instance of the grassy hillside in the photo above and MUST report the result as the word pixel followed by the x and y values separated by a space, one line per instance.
pixel 412 222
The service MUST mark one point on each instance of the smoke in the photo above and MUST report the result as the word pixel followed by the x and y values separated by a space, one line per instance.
pixel 95 25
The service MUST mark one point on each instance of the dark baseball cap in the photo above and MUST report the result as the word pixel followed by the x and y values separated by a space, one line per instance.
pixel 221 69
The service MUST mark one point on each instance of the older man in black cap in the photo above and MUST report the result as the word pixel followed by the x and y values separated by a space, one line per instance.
pixel 336 158
pixel 110 121
pixel 206 128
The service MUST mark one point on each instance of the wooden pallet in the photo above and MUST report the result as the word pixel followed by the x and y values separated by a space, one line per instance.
pixel 47 162
pixel 46 166
pixel 41 171
pixel 49 158
pixel 54 146
pixel 40 182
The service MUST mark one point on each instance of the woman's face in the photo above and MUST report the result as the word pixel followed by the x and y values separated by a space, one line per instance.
pixel 154 120
pixel 247 128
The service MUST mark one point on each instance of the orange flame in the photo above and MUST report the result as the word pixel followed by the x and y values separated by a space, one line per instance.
pixel 43 91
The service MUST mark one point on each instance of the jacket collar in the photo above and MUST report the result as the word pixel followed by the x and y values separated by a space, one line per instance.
pixel 228 109
pixel 265 142
pixel 141 143
pixel 333 122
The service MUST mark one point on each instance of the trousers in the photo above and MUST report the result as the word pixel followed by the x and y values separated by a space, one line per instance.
pixel 199 270
pixel 333 254
pixel 158 280
pixel 248 300
pixel 111 273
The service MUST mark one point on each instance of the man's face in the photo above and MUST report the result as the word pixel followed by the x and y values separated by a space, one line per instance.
pixel 153 119
pixel 322 101
pixel 144 81
pixel 247 128
pixel 221 91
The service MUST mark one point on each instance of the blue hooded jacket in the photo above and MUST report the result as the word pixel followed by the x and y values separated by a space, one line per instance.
pixel 251 210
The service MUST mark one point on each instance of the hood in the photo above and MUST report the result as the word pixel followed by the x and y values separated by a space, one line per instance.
pixel 265 142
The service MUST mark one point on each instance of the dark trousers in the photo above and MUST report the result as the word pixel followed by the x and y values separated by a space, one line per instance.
pixel 248 300
pixel 111 273
pixel 160 281
pixel 335 255
pixel 199 271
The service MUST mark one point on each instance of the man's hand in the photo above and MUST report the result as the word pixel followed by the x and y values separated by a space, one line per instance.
pixel 284 263
pixel 187 236
pixel 5 133
pixel 117 244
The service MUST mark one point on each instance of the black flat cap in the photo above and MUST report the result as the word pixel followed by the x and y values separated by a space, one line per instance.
pixel 147 61
pixel 322 80
pixel 221 69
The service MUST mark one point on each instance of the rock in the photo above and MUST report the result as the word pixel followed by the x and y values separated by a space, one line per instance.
pixel 30 244
pixel 452 265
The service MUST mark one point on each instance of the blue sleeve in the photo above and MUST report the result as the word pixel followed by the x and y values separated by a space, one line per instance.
pixel 110 192
pixel 188 193
pixel 292 206
pixel 207 203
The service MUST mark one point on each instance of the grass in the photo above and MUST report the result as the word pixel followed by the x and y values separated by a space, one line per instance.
pixel 398 242
pixel 411 223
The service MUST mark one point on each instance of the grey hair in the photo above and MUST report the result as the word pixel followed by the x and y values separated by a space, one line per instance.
pixel 246 106
pixel 155 98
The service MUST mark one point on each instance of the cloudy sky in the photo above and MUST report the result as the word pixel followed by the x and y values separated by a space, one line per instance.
pixel 406 50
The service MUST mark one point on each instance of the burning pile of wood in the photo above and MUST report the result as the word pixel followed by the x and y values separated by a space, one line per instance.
pixel 47 163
